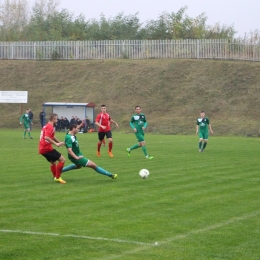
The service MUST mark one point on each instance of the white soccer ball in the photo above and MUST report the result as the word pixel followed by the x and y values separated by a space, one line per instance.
pixel 144 173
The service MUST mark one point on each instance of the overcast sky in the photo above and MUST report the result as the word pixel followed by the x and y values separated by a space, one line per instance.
pixel 244 15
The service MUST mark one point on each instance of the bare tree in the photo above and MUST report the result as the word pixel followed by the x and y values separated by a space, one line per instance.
pixel 14 16
pixel 46 8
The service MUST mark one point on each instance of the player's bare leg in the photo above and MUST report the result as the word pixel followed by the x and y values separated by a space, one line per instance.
pixel 110 146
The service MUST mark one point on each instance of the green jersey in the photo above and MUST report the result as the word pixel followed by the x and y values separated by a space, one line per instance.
pixel 203 124
pixel 25 119
pixel 71 141
pixel 138 121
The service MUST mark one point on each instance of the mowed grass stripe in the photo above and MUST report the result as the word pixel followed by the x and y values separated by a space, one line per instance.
pixel 186 191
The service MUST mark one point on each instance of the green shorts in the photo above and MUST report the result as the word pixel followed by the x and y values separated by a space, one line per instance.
pixel 203 135
pixel 81 162
pixel 139 137
pixel 26 126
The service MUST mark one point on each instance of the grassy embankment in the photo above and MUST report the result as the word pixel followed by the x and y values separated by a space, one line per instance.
pixel 171 92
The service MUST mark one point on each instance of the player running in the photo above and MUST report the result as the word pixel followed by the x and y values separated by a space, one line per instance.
pixel 202 128
pixel 138 123
pixel 76 156
pixel 103 121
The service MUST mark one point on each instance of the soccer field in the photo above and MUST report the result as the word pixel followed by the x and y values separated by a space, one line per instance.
pixel 193 205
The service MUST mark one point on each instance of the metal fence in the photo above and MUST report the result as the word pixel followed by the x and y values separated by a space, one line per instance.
pixel 130 49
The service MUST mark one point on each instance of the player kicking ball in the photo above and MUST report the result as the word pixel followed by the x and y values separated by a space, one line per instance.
pixel 76 156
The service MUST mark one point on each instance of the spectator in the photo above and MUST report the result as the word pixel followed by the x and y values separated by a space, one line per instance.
pixel 72 120
pixel 86 125
pixel 66 123
pixel 79 122
pixel 31 118
pixel 42 118
pixel 62 124
pixel 57 125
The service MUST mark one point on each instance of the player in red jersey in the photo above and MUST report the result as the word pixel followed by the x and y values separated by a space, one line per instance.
pixel 48 138
pixel 103 121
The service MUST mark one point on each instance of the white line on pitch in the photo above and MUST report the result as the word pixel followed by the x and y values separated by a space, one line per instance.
pixel 183 236
pixel 76 236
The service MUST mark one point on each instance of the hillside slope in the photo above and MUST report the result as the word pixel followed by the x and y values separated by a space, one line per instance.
pixel 171 92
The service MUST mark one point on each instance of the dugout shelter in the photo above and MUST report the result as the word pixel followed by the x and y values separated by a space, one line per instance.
pixel 81 110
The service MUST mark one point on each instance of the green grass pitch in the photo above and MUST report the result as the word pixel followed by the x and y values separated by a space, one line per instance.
pixel 194 205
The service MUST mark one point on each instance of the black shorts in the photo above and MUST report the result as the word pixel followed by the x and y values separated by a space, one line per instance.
pixel 52 156
pixel 101 135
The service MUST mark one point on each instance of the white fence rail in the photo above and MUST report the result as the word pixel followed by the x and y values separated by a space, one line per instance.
pixel 130 49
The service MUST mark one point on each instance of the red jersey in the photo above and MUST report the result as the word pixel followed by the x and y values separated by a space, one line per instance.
pixel 103 119
pixel 44 145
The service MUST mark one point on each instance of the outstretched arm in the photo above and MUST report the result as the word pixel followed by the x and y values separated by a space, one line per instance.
pixel 114 122
pixel 54 141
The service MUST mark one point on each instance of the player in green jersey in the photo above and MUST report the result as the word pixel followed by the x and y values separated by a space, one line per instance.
pixel 202 129
pixel 76 156
pixel 26 122
pixel 138 123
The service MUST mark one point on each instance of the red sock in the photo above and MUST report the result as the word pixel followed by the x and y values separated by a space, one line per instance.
pixel 98 146
pixel 110 145
pixel 59 169
pixel 53 170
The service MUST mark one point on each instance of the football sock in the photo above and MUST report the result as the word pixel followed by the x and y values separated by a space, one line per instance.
pixel 144 150
pixel 102 171
pixel 110 145
pixel 24 133
pixel 98 146
pixel 29 133
pixel 200 144
pixel 59 168
pixel 53 170
pixel 69 167
pixel 135 146
pixel 204 145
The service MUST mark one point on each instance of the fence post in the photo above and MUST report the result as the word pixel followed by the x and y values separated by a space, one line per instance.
pixel 12 51
pixel 123 50
pixel 198 49
pixel 77 50
pixel 34 50
pixel 254 52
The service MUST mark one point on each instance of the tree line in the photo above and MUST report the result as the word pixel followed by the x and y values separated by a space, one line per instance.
pixel 45 22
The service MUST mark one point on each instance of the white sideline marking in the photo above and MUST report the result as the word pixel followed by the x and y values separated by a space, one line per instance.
pixel 183 236
pixel 145 246
pixel 75 236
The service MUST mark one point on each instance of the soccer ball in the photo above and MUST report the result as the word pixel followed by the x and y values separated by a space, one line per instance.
pixel 144 173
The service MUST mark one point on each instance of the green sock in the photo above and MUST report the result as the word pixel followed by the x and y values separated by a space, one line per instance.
pixel 24 133
pixel 200 144
pixel 102 171
pixel 69 168
pixel 204 145
pixel 144 150
pixel 135 146
pixel 29 133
